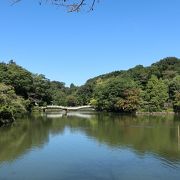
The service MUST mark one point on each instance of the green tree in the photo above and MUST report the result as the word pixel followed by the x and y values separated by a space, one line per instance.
pixel 140 75
pixel 84 94
pixel 167 68
pixel 10 103
pixel 174 86
pixel 16 76
pixel 174 91
pixel 58 97
pixel 130 101
pixel 176 102
pixel 155 95
pixel 58 93
pixel 71 100
pixel 117 94
pixel 41 93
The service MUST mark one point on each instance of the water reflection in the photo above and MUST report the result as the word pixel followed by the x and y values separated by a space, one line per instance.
pixel 158 136
pixel 86 115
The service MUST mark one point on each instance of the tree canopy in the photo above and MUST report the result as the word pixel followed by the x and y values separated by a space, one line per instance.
pixel 151 89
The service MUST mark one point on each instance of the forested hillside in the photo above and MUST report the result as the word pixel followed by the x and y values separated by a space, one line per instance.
pixel 149 89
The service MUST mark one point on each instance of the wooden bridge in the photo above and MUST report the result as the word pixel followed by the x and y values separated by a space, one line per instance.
pixel 66 108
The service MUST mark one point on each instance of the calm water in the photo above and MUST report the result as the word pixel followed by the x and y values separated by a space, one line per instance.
pixel 90 146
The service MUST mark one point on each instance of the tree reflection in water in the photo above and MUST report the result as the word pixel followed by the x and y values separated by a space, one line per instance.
pixel 143 134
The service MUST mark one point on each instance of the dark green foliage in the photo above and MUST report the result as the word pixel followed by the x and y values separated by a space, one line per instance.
pixel 84 94
pixel 167 68
pixel 117 94
pixel 6 116
pixel 155 96
pixel 71 101
pixel 10 104
pixel 16 76
pixel 174 85
pixel 176 102
pixel 140 74
pixel 58 93
pixel 174 92
pixel 9 100
pixel 32 87
pixel 41 90
pixel 153 88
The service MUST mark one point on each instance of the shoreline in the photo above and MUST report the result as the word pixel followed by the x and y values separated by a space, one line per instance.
pixel 156 113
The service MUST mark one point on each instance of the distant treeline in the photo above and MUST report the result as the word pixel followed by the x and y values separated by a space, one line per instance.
pixel 150 89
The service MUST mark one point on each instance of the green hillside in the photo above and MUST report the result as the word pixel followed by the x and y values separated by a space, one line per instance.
pixel 150 89
pixel 153 88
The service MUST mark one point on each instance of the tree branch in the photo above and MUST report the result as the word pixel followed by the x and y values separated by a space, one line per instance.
pixel 71 5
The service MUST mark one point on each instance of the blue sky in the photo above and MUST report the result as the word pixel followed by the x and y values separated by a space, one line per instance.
pixel 72 47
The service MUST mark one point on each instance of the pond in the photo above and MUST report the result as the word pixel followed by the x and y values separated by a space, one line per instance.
pixel 90 146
